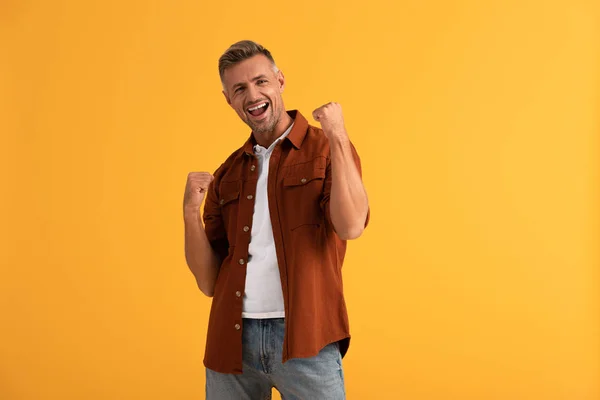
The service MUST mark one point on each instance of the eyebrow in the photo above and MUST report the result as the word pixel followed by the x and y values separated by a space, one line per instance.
pixel 261 76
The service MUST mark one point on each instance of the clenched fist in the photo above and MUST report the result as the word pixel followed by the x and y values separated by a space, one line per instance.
pixel 332 120
pixel 195 189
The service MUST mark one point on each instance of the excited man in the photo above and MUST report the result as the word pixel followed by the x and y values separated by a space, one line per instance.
pixel 272 239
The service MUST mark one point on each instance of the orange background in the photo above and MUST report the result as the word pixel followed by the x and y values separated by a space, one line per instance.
pixel 478 126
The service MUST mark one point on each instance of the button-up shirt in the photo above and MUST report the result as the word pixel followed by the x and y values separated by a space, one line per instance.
pixel 309 252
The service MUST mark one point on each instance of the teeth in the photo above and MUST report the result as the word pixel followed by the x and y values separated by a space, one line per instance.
pixel 257 107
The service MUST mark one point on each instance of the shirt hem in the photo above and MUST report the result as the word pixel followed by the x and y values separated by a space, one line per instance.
pixel 276 314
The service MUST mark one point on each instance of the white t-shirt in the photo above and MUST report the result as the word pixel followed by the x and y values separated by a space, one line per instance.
pixel 263 297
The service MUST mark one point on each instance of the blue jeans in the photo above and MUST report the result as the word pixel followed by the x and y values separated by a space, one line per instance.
pixel 320 377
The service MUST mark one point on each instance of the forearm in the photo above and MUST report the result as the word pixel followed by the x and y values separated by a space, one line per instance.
pixel 348 199
pixel 202 260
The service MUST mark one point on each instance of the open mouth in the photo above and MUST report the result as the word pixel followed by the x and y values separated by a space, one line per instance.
pixel 259 109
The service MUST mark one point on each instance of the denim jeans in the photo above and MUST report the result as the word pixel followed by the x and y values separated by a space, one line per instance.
pixel 316 378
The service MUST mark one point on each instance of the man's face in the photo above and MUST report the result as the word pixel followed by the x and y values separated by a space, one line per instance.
pixel 253 89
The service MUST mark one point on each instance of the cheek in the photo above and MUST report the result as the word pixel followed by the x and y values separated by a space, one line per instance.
pixel 238 106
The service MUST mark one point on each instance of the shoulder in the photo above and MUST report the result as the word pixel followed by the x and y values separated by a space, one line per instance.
pixel 231 162
pixel 316 141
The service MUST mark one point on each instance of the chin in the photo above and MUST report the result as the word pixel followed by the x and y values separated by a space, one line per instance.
pixel 265 127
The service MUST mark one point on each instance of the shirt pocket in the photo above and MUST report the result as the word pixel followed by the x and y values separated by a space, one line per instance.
pixel 302 193
pixel 229 200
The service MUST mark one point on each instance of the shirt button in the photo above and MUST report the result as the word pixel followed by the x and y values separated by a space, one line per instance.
pixel 252 168
pixel 303 180
pixel 249 197
pixel 241 261
pixel 246 228
pixel 238 294
pixel 237 327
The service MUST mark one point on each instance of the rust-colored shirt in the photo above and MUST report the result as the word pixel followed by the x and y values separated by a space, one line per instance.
pixel 309 252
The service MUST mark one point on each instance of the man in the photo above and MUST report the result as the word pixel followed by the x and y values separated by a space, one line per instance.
pixel 277 216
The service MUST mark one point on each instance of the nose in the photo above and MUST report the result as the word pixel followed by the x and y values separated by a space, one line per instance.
pixel 253 94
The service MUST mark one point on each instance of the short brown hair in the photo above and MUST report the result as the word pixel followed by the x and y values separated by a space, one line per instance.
pixel 241 51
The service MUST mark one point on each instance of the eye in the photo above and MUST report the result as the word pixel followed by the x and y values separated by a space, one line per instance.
pixel 261 81
pixel 239 89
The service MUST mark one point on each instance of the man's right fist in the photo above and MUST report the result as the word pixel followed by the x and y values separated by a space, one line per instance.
pixel 195 188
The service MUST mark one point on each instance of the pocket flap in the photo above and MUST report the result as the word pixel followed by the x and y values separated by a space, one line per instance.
pixel 228 197
pixel 304 178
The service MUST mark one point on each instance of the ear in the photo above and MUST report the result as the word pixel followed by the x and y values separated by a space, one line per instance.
pixel 227 97
pixel 281 81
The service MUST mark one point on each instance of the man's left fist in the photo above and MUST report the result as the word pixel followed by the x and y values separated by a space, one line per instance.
pixel 331 119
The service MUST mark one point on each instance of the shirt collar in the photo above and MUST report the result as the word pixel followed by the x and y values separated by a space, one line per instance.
pixel 279 139
pixel 296 135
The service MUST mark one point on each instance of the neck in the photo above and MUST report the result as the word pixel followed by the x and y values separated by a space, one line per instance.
pixel 266 139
